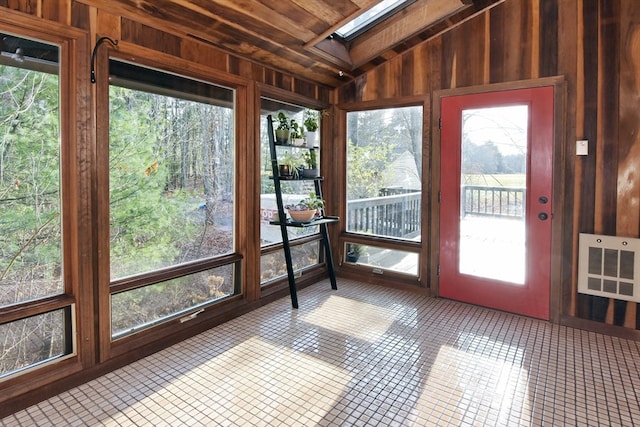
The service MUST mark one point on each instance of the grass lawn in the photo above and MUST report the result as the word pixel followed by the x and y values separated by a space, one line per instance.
pixel 496 180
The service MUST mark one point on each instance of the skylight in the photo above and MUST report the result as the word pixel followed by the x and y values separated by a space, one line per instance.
pixel 377 13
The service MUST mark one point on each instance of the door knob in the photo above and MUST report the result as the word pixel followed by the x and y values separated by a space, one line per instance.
pixel 543 216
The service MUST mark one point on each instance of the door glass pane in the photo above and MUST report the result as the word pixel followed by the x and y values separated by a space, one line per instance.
pixel 493 193
pixel 30 209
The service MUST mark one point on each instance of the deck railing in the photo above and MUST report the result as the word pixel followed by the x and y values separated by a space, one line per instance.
pixel 394 216
pixel 505 202
pixel 398 215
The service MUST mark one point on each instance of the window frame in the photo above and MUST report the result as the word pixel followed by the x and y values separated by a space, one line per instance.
pixel 345 237
pixel 109 346
pixel 76 298
pixel 312 272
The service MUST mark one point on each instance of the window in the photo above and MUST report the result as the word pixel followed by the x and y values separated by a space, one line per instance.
pixel 171 187
pixel 304 254
pixel 384 178
pixel 31 215
pixel 371 17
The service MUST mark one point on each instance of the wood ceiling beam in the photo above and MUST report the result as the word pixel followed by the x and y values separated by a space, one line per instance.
pixel 254 47
pixel 402 26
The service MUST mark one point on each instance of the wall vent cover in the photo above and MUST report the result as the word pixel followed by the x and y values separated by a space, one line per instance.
pixel 609 266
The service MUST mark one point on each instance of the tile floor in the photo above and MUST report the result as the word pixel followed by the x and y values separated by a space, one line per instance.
pixel 366 355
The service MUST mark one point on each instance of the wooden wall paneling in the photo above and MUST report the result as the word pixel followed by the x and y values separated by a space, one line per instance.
pixel 498 46
pixel 27 6
pixel 512 53
pixel 547 34
pixel 107 25
pixel 233 64
pixel 84 136
pixel 431 79
pixel 589 307
pixel 628 219
pixel 375 88
pixel 606 162
pixel 567 66
pixel 447 61
pixel 422 72
pixel 80 16
pixel 410 70
pixel 59 11
pixel 304 88
pixel 149 37
pixel 608 100
pixel 204 54
pixel 470 47
pixel 394 83
pixel 536 41
pixel 425 263
pixel 244 68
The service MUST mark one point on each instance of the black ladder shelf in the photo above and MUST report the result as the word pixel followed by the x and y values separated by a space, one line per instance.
pixel 284 222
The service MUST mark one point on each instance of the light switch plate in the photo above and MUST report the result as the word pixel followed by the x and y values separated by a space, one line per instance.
pixel 582 147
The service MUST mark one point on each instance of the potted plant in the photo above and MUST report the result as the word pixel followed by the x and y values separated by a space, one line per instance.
pixel 311 124
pixel 296 133
pixel 311 163
pixel 289 165
pixel 306 209
pixel 354 251
pixel 282 131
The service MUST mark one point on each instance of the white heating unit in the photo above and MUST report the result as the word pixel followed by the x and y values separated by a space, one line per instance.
pixel 609 266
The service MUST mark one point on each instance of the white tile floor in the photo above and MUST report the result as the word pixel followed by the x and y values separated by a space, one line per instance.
pixel 366 355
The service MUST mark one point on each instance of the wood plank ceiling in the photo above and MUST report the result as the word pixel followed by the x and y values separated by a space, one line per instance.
pixel 293 35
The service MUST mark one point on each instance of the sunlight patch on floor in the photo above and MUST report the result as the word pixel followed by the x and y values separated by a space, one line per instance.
pixel 350 317
pixel 256 375
pixel 480 387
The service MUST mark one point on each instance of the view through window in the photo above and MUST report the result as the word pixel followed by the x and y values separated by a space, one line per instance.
pixel 31 258
pixel 171 183
pixel 384 172
pixel 272 265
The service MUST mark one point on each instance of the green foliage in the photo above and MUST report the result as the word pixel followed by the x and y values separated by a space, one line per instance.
pixel 164 187
pixel 310 159
pixel 310 202
pixel 296 129
pixel 310 120
pixel 283 121
pixel 366 171
pixel 376 138
pixel 30 235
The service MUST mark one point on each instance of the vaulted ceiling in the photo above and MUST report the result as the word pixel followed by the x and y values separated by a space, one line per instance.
pixel 293 35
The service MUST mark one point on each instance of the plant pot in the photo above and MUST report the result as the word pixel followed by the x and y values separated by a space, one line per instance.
pixel 282 136
pixel 298 142
pixel 310 173
pixel 285 171
pixel 312 137
pixel 303 216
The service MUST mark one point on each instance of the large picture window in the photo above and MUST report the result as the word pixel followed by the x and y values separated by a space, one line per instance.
pixel 171 187
pixel 304 255
pixel 31 238
pixel 384 172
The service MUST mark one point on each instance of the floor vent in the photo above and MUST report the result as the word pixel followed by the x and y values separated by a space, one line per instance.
pixel 608 266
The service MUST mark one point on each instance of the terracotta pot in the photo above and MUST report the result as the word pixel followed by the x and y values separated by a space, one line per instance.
pixel 302 216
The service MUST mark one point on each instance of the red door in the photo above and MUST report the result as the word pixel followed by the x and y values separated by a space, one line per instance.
pixel 495 202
